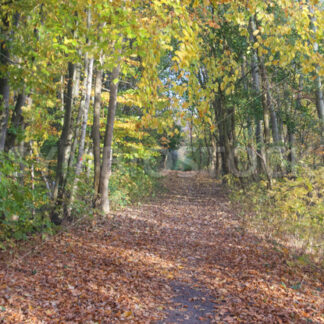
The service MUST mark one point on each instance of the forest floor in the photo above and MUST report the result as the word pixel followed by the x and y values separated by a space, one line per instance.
pixel 183 257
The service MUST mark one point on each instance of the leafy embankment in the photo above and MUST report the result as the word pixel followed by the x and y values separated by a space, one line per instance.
pixel 121 269
pixel 292 211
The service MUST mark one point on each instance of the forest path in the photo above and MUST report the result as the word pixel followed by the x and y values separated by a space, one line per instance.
pixel 182 256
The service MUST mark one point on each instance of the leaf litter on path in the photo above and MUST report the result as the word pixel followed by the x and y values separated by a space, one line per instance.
pixel 180 258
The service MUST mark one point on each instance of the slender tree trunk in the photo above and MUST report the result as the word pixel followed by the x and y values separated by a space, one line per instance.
pixel 96 131
pixel 77 121
pixel 221 138
pixel 273 116
pixel 265 104
pixel 85 117
pixel 199 157
pixel 290 107
pixel 107 150
pixel 191 135
pixel 89 166
pixel 268 109
pixel 214 166
pixel 246 89
pixel 32 176
pixel 219 116
pixel 96 122
pixel 4 106
pixel 249 149
pixel 62 89
pixel 4 86
pixel 64 146
pixel 320 102
pixel 257 90
pixel 17 121
pixel 218 161
pixel 318 81
pixel 291 146
pixel 259 142
pixel 224 122
pixel 83 131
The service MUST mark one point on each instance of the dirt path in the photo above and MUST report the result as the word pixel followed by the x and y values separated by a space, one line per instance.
pixel 182 258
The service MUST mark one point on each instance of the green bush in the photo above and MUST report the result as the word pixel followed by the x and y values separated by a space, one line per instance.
pixel 21 202
pixel 130 183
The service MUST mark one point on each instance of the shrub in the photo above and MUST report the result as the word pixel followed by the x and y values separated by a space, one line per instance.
pixel 21 201
pixel 292 210
pixel 130 183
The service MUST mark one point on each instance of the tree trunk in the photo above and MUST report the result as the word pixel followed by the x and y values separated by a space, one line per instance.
pixel 318 81
pixel 78 119
pixel 96 131
pixel 85 117
pixel 4 86
pixel 224 123
pixel 291 144
pixel 257 90
pixel 250 151
pixel 107 150
pixel 320 102
pixel 17 121
pixel 64 146
pixel 214 156
pixel 265 104
pixel 291 109
pixel 83 131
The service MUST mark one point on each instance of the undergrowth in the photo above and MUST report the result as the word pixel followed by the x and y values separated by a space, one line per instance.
pixel 25 203
pixel 291 212
pixel 131 184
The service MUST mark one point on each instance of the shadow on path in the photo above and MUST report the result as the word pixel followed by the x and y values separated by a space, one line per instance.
pixel 190 305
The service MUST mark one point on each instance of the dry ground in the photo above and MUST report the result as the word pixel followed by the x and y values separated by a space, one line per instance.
pixel 181 258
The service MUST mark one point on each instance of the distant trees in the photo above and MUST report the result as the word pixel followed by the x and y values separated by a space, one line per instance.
pixel 257 85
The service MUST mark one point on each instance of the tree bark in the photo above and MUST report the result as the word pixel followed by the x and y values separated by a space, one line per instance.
pixel 77 121
pixel 214 156
pixel 85 117
pixel 107 150
pixel 265 104
pixel 83 131
pixel 318 81
pixel 225 124
pixel 320 102
pixel 64 145
pixel 257 90
pixel 96 131
pixel 291 144
pixel 17 121
pixel 4 86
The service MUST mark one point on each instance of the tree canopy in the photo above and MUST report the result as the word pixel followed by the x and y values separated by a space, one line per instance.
pixel 95 88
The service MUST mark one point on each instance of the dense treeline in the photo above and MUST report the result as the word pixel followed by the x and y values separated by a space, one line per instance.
pixel 93 94
pixel 257 92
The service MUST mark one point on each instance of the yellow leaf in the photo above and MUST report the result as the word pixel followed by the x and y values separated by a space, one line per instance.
pixel 228 91
pixel 195 4
pixel 128 314
pixel 256 45
pixel 185 105
pixel 170 276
